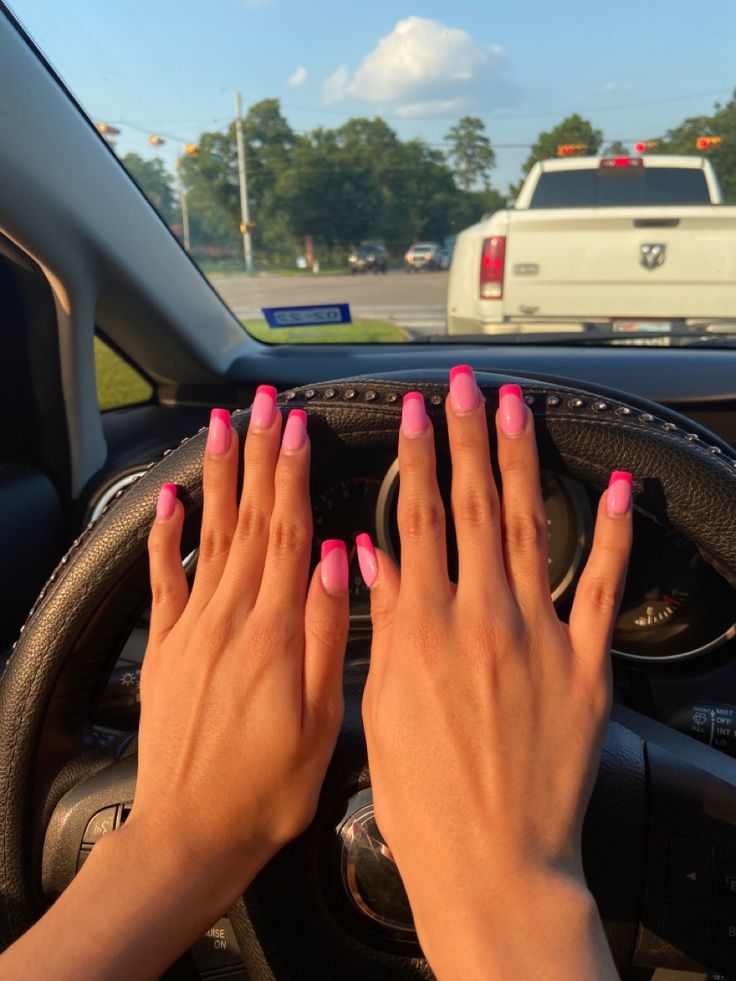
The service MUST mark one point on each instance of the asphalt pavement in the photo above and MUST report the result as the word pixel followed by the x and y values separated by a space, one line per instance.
pixel 412 300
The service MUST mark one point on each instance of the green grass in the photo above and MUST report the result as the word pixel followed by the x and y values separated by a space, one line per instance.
pixel 359 332
pixel 117 383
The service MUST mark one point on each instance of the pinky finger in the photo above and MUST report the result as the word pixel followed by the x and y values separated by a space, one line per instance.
pixel 169 588
pixel 601 585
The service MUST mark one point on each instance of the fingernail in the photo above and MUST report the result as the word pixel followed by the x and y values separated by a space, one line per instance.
pixel 218 437
pixel 263 410
pixel 464 395
pixel 166 502
pixel 413 414
pixel 512 410
pixel 295 431
pixel 366 558
pixel 619 496
pixel 334 567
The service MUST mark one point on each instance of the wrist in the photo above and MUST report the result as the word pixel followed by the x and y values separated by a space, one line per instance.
pixel 541 923
pixel 165 863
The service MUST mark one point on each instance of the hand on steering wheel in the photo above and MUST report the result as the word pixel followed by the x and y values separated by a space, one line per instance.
pixel 251 659
pixel 484 714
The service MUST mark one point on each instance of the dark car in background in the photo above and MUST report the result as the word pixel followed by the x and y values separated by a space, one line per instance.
pixel 423 255
pixel 368 257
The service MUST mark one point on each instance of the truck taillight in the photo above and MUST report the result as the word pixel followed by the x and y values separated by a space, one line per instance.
pixel 492 261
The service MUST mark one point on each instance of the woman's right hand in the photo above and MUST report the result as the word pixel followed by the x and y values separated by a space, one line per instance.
pixel 484 714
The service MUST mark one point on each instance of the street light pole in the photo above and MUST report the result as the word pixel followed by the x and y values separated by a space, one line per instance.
pixel 244 213
pixel 183 205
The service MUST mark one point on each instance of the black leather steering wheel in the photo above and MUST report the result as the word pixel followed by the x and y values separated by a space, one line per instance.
pixel 299 919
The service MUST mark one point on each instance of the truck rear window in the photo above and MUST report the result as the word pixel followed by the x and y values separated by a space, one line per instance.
pixel 623 186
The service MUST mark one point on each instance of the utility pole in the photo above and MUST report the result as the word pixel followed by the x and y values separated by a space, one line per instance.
pixel 244 213
pixel 183 205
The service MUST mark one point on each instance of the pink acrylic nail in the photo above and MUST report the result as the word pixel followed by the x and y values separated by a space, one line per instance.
pixel 464 395
pixel 619 496
pixel 413 415
pixel 366 558
pixel 511 410
pixel 263 410
pixel 295 431
pixel 218 437
pixel 334 566
pixel 166 502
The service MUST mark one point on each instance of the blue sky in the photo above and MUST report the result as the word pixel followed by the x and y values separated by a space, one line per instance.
pixel 633 68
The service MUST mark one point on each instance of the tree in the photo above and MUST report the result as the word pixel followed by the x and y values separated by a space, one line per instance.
pixel 572 129
pixel 721 123
pixel 616 149
pixel 211 182
pixel 156 183
pixel 471 153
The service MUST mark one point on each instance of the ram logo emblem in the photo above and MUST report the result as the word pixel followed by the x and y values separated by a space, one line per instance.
pixel 652 254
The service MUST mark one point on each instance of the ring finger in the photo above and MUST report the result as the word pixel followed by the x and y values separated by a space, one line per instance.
pixel 523 516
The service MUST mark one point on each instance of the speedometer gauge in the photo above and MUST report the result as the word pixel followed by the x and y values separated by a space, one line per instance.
pixel 675 605
pixel 568 525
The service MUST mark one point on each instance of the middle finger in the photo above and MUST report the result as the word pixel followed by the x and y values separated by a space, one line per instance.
pixel 475 504
pixel 421 513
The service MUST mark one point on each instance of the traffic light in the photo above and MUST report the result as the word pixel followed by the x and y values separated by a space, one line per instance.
pixel 572 149
pixel 107 130
pixel 643 145
pixel 706 142
pixel 191 149
pixel 155 140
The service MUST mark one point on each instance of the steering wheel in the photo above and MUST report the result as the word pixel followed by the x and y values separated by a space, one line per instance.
pixel 330 905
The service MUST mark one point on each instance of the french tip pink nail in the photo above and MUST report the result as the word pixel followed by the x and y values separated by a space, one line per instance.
pixel 461 369
pixel 218 437
pixel 620 493
pixel 413 414
pixel 512 410
pixel 367 560
pixel 334 565
pixel 166 501
pixel 295 431
pixel 464 395
pixel 263 409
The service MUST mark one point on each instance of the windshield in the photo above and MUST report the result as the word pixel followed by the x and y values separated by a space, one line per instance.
pixel 371 177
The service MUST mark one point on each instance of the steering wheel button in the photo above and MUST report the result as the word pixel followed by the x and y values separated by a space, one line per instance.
pixel 100 825
pixel 727 882
pixel 690 873
pixel 217 949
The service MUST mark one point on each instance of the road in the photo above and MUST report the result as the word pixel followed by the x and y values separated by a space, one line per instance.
pixel 415 300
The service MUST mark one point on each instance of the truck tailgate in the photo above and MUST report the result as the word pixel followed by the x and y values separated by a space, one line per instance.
pixel 592 262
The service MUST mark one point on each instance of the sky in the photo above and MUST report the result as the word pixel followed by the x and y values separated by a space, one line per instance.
pixel 172 68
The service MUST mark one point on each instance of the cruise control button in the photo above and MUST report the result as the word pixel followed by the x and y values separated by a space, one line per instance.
pixel 217 949
pixel 690 871
pixel 101 824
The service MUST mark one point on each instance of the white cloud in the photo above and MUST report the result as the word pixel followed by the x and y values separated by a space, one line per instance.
pixel 423 68
pixel 609 87
pixel 337 86
pixel 298 77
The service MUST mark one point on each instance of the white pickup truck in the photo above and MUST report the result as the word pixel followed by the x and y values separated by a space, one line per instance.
pixel 620 241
